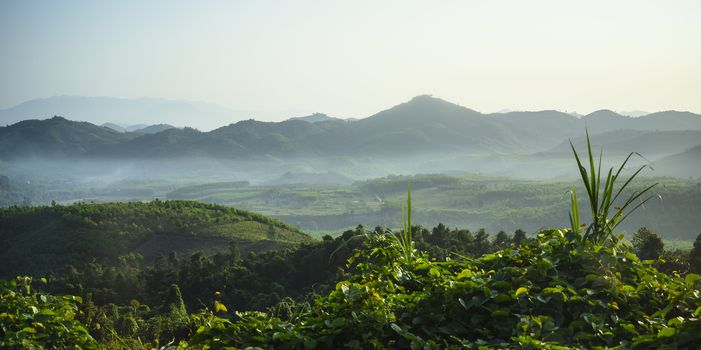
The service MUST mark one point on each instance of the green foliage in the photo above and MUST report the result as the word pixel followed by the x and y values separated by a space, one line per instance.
pixel 695 256
pixel 605 215
pixel 174 301
pixel 404 238
pixel 552 292
pixel 41 240
pixel 647 244
pixel 34 320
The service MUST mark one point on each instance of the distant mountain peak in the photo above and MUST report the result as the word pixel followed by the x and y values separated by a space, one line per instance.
pixel 424 97
pixel 429 102
pixel 603 113
pixel 315 118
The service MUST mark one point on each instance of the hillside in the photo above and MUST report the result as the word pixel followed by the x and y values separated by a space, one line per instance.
pixel 42 239
pixel 545 127
pixel 55 137
pixel 424 125
pixel 316 117
pixel 687 162
pixel 152 129
pixel 427 124
pixel 651 144
pixel 138 128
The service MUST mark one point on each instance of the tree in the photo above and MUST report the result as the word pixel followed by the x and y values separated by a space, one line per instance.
pixel 647 244
pixel 695 256
pixel 234 251
pixel 174 301
pixel 501 241
pixel 519 236
pixel 482 243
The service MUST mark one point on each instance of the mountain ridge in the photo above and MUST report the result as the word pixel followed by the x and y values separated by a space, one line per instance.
pixel 422 125
pixel 103 109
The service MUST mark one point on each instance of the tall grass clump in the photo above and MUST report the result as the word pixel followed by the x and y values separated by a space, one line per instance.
pixel 404 237
pixel 606 214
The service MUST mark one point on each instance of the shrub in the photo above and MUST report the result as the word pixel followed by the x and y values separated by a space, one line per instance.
pixel 32 320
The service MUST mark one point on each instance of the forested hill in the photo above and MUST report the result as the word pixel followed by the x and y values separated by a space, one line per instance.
pixel 423 125
pixel 39 240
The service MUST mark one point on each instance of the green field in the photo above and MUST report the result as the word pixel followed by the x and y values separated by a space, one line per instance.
pixel 456 200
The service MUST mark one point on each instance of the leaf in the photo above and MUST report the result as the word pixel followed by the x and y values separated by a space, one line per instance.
pixel 692 278
pixel 520 291
pixel 434 272
pixel 666 332
pixel 675 322
pixel 219 307
pixel 466 273
pixel 500 313
pixel 502 298
pixel 28 330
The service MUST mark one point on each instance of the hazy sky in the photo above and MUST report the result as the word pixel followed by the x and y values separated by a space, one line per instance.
pixel 354 58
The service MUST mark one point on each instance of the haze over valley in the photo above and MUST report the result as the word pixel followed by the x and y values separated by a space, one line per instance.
pixel 314 171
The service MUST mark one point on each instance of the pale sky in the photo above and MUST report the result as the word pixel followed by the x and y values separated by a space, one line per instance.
pixel 355 58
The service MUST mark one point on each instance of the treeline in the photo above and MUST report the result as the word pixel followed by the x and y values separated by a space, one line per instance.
pixel 398 183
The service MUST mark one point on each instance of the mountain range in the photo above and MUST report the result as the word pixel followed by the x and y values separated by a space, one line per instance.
pixel 100 110
pixel 424 125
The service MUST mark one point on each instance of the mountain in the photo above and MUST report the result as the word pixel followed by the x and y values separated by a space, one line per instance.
pixel 38 240
pixel 551 128
pixel 316 117
pixel 687 163
pixel 606 120
pixel 152 129
pixel 139 128
pixel 55 137
pixel 422 126
pixel 99 110
pixel 115 127
pixel 286 138
pixel 668 120
pixel 651 144
pixel 543 129
pixel 170 143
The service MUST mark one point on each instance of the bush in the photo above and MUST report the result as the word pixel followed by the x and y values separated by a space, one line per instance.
pixel 558 290
pixel 31 320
